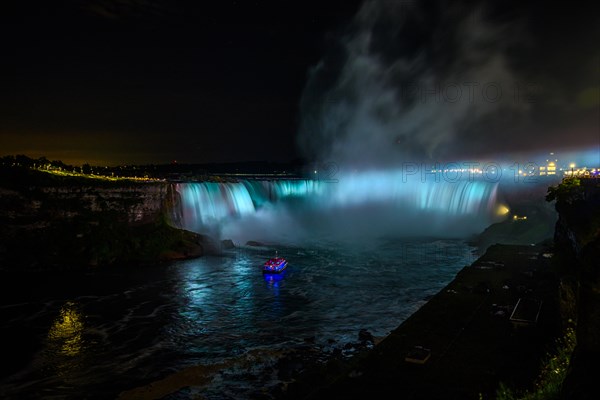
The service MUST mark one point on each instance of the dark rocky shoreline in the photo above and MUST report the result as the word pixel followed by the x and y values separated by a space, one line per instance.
pixel 473 344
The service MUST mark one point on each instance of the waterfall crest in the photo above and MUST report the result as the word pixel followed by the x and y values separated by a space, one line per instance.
pixel 362 202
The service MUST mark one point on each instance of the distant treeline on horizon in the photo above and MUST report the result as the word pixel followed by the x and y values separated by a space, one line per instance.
pixel 293 168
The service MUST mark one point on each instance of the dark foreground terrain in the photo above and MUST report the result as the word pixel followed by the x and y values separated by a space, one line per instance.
pixel 467 328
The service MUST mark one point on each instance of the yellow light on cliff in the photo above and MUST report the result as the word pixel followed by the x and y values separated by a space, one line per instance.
pixel 502 210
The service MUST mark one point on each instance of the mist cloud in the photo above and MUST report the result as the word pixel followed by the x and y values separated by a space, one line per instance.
pixel 431 81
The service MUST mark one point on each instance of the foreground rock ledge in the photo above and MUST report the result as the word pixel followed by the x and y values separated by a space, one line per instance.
pixel 467 328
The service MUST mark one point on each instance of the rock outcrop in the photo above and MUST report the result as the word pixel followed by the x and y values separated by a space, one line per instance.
pixel 49 222
pixel 577 243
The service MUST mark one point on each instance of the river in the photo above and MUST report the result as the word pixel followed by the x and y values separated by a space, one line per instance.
pixel 94 334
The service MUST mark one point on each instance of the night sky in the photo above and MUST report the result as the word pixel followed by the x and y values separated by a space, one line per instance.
pixel 152 81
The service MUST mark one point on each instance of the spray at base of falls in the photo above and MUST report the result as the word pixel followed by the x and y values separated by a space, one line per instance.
pixel 358 205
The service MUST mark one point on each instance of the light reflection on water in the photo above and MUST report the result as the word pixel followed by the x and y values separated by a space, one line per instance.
pixel 274 280
pixel 65 341
pixel 117 330
pixel 66 331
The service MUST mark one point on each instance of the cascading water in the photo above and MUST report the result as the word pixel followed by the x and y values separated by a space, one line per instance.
pixel 368 200
pixel 204 204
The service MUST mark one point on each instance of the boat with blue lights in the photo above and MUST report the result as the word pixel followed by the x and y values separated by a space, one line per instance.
pixel 275 265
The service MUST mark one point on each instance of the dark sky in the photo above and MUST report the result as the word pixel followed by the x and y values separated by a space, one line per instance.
pixel 133 81
pixel 151 81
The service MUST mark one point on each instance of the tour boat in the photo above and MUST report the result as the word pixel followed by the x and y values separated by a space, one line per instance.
pixel 275 265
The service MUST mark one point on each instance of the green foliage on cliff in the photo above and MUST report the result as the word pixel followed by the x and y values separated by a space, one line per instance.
pixel 577 243
pixel 578 204
pixel 568 190
pixel 114 242
pixel 50 222
pixel 102 241
pixel 553 372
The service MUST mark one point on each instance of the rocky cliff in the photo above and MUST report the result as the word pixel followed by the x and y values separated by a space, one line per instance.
pixel 49 222
pixel 134 203
pixel 577 244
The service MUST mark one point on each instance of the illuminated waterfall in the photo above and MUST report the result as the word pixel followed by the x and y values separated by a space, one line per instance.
pixel 208 204
pixel 462 197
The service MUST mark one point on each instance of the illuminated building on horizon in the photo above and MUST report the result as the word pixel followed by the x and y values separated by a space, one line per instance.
pixel 550 167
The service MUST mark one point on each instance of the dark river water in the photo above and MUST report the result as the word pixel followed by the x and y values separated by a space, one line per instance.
pixel 93 335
